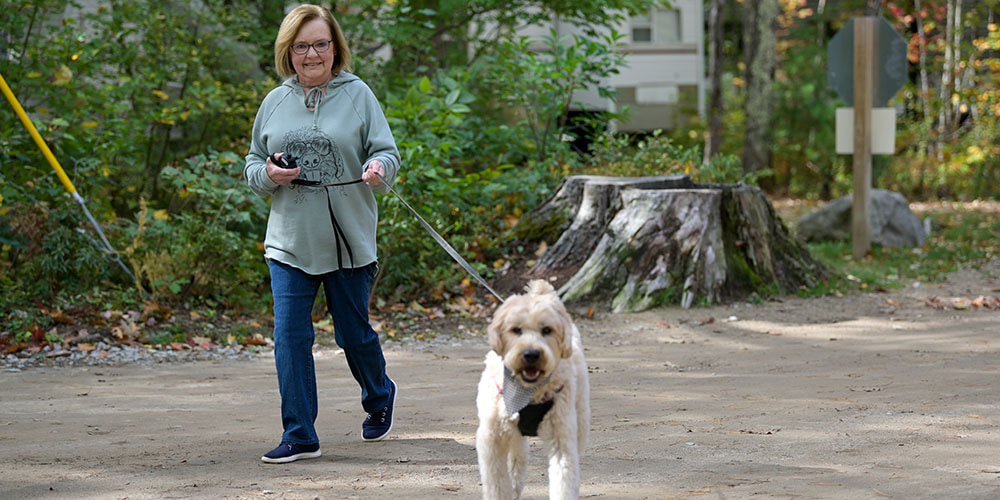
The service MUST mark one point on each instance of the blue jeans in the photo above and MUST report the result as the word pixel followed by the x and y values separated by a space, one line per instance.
pixel 347 293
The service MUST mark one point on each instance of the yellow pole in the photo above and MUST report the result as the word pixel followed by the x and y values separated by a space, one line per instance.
pixel 35 135
pixel 62 175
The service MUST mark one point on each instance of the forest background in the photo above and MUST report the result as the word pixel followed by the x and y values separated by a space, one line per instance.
pixel 148 106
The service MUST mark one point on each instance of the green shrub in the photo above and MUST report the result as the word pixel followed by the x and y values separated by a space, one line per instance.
pixel 625 155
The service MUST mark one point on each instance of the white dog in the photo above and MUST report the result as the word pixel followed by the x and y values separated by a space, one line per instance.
pixel 535 383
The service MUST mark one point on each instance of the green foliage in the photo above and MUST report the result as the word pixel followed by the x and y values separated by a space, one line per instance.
pixel 467 158
pixel 209 248
pixel 538 85
pixel 163 68
pixel 654 154
pixel 428 35
pixel 445 178
pixel 944 134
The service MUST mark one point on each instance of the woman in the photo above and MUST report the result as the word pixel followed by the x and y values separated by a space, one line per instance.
pixel 327 125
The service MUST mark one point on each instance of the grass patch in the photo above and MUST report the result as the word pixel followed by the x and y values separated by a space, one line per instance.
pixel 964 236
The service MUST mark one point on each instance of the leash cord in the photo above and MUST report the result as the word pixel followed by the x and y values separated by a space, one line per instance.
pixel 442 242
pixel 437 237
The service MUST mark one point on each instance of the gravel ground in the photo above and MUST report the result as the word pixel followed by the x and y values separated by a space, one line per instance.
pixel 866 396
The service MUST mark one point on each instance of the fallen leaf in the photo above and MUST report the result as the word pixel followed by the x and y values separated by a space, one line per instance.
pixel 257 339
pixel 14 348
pixel 935 303
pixel 542 247
pixel 60 317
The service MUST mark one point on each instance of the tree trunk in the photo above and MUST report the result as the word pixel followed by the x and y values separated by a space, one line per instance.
pixel 713 143
pixel 637 243
pixel 759 45
pixel 929 146
pixel 944 117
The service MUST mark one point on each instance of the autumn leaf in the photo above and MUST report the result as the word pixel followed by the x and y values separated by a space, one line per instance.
pixel 62 75
pixel 542 248
pixel 934 303
pixel 153 309
pixel 14 348
pixel 60 317
pixel 257 339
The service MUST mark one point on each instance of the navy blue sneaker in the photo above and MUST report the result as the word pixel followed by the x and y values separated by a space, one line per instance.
pixel 290 452
pixel 378 424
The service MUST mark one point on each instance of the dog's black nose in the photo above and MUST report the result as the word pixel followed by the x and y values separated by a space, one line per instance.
pixel 531 356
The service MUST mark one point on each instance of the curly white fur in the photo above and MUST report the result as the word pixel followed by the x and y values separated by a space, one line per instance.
pixel 536 324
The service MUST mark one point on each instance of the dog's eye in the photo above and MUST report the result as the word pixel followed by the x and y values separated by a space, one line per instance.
pixel 516 330
pixel 546 330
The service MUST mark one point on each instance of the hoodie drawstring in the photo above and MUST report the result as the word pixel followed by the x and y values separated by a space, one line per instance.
pixel 314 96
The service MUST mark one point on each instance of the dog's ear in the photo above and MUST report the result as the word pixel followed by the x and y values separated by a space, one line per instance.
pixel 494 332
pixel 566 342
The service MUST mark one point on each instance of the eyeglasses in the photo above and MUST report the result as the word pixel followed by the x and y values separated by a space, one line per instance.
pixel 301 48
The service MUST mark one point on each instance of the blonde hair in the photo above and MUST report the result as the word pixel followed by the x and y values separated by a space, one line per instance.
pixel 290 28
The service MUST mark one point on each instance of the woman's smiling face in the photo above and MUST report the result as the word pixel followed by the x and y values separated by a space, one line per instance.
pixel 314 68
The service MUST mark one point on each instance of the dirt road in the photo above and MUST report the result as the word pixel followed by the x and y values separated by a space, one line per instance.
pixel 867 396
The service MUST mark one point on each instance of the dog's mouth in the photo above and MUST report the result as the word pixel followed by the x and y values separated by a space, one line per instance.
pixel 531 374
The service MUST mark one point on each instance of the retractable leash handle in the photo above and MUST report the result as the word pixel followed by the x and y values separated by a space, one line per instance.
pixel 441 241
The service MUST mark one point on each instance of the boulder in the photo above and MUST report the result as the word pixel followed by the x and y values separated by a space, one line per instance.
pixel 891 221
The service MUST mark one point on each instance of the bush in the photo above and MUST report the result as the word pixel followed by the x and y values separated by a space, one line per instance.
pixel 626 155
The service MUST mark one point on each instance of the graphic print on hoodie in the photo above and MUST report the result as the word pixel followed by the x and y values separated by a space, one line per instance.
pixel 318 156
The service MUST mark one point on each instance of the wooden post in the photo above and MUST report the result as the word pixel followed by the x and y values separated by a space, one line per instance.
pixel 865 55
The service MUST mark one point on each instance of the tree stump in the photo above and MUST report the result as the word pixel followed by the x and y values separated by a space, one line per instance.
pixel 637 243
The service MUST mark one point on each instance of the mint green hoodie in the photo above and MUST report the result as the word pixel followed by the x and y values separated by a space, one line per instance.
pixel 333 143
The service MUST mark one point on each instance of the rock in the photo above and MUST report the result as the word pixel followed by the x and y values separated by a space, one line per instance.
pixel 892 223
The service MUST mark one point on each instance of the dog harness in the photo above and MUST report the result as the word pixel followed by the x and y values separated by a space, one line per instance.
pixel 517 400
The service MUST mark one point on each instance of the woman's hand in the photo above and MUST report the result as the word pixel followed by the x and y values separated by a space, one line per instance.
pixel 282 176
pixel 369 177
